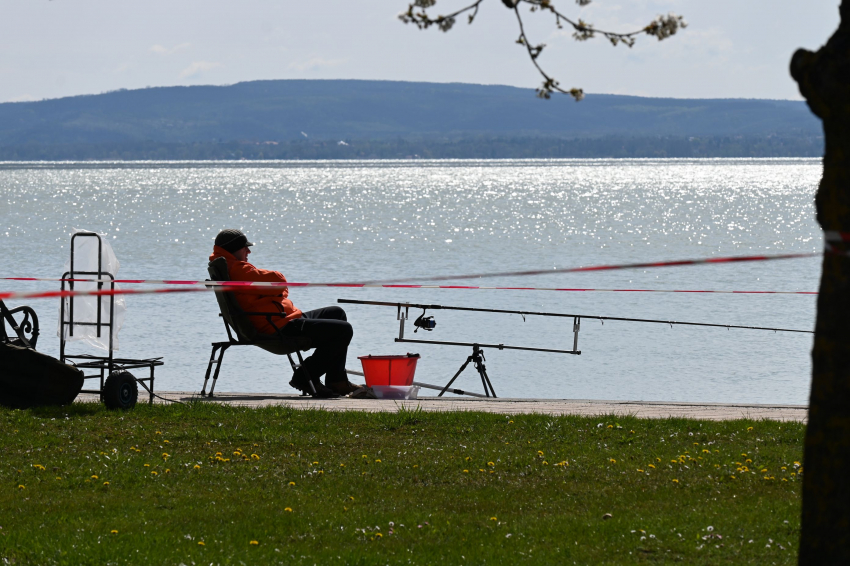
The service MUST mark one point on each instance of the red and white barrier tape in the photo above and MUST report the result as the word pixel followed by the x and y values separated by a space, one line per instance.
pixel 396 282
pixel 713 260
pixel 102 293
pixel 238 285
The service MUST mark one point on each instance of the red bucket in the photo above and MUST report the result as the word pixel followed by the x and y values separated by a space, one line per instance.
pixel 389 370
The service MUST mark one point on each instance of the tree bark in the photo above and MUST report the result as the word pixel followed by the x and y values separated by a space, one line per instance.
pixel 824 80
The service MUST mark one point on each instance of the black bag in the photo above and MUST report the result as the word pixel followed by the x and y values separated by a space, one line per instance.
pixel 31 379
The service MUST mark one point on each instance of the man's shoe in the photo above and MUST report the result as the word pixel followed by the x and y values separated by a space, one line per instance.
pixel 343 387
pixel 300 382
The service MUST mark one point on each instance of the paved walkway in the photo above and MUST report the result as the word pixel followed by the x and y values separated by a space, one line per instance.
pixel 644 409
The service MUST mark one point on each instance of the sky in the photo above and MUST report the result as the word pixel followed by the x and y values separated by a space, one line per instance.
pixel 730 49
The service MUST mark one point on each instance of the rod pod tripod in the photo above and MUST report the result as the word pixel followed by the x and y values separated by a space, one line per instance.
pixel 477 358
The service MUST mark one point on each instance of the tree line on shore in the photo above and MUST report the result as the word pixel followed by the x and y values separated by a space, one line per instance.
pixel 434 148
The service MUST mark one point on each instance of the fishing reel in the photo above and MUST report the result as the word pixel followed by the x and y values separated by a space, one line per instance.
pixel 424 322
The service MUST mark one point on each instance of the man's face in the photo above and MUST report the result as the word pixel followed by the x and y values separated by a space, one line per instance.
pixel 242 255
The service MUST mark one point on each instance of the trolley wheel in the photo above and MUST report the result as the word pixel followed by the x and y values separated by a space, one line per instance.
pixel 120 391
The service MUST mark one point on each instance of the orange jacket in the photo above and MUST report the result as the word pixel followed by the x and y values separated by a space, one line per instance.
pixel 259 299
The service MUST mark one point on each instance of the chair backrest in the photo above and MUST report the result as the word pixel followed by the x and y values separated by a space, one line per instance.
pixel 230 309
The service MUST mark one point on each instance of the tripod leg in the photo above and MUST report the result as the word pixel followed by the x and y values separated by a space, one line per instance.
pixel 460 371
pixel 485 380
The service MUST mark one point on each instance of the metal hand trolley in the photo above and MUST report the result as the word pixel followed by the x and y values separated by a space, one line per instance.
pixel 117 387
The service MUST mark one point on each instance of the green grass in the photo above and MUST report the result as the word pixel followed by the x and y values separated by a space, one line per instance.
pixel 358 488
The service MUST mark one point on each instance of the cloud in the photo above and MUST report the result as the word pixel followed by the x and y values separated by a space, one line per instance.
pixel 160 50
pixel 316 62
pixel 198 67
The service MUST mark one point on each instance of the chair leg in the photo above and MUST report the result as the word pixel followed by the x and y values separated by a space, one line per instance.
pixel 209 369
pixel 218 367
pixel 301 365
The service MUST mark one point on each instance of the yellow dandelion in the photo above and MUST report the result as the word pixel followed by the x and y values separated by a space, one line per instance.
pixel 640 470
pixel 377 461
pixel 218 453
pixel 415 465
pixel 106 483
pixel 165 441
pixel 480 470
pixel 610 426
pixel 254 543
pixel 351 497
pixel 763 470
pixel 631 432
pixel 113 532
pixel 154 473
pixel 291 483
pixel 613 461
pixel 364 456
pixel 255 457
pixel 22 487
pixel 467 458
pixel 675 481
pixel 704 451
pixel 94 477
pixel 342 465
pixel 288 509
pixel 749 461
pixel 493 519
pixel 652 466
pixel 510 422
pixel 167 471
pixel 491 464
pixel 466 471
pixel 379 535
pixel 197 467
pixel 147 465
pixel 201 543
pixel 165 454
pixel 157 432
pixel 658 459
pixel 540 452
pixel 237 453
pixel 749 428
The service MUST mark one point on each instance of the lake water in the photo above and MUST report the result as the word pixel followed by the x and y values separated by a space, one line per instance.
pixel 367 220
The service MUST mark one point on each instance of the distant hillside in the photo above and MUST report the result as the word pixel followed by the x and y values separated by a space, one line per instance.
pixel 379 110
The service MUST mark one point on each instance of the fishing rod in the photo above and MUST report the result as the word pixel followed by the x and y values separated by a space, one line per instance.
pixel 574 316
pixel 427 323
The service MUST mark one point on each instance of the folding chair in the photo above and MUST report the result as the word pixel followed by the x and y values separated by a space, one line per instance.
pixel 236 322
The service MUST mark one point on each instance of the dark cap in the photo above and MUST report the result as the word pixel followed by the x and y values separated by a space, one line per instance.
pixel 232 240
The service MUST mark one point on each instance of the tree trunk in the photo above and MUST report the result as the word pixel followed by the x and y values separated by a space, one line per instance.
pixel 824 80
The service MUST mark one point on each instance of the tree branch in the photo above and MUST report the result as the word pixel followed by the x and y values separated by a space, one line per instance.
pixel 662 28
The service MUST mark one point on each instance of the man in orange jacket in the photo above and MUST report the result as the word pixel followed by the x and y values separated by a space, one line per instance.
pixel 327 328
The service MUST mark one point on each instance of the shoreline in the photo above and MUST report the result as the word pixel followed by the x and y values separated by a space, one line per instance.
pixel 505 406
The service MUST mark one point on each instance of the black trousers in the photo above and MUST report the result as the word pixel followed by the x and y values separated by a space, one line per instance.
pixel 330 334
